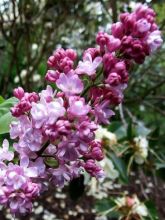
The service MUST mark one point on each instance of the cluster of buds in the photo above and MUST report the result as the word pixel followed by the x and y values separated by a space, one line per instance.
pixel 17 186
pixel 138 33
pixel 25 101
pixel 54 130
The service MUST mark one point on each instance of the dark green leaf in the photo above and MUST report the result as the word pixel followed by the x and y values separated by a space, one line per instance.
pixel 130 131
pixel 152 210
pixel 154 137
pixel 50 161
pixel 120 166
pixel 117 128
pixel 104 204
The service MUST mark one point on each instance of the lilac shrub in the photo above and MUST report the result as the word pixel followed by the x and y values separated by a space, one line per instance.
pixel 54 131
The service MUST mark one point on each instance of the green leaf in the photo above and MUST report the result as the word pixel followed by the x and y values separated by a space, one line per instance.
pixel 42 69
pixel 160 173
pixel 114 126
pixel 154 137
pixel 131 131
pixel 141 130
pixel 120 149
pixel 160 165
pixel 5 122
pixel 1 99
pixel 152 210
pixel 117 128
pixel 104 204
pixel 52 162
pixel 120 166
pixel 121 133
pixel 5 115
pixel 6 105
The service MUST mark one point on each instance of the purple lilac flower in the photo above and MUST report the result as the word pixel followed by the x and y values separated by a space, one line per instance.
pixel 47 113
pixel 70 84
pixel 5 154
pixel 77 106
pixel 88 66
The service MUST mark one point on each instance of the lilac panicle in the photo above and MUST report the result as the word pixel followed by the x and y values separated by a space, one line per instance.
pixel 54 131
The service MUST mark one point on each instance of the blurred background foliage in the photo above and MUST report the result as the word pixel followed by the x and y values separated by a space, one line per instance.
pixel 30 30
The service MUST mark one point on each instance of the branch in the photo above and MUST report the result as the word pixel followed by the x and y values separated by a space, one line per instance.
pixel 113 4
pixel 155 108
pixel 39 153
pixel 152 89
pixel 122 115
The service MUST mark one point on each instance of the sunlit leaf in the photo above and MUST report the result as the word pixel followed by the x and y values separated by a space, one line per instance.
pixel 6 105
pixel 1 99
pixel 5 115
pixel 5 121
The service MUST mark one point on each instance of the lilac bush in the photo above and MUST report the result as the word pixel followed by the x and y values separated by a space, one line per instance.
pixel 54 131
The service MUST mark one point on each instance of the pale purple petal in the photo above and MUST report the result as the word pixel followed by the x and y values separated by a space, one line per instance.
pixel 31 172
pixel 97 61
pixel 88 66
pixel 5 145
pixel 24 162
pixel 70 84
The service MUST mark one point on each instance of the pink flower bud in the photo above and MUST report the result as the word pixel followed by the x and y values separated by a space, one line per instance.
pixel 154 27
pixel 16 112
pixel 71 54
pixel 66 64
pixel 94 52
pixel 113 44
pixel 143 10
pixel 117 30
pixel 93 169
pixel 19 93
pixel 32 97
pixel 128 21
pixel 59 54
pixel 96 151
pixel 51 61
pixel 97 154
pixel 113 79
pixel 21 108
pixel 124 16
pixel 150 19
pixel 102 39
pixel 52 75
pixel 120 66
pixel 109 61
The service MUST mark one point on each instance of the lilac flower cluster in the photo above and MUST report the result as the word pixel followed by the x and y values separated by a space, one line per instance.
pixel 17 185
pixel 138 33
pixel 54 130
